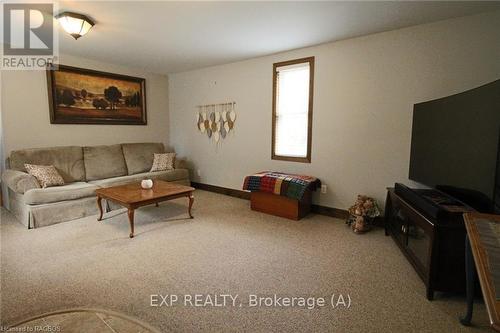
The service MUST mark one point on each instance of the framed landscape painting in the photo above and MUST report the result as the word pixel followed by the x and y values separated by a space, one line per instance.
pixel 84 96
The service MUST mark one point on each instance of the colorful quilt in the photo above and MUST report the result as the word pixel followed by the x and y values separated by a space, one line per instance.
pixel 289 185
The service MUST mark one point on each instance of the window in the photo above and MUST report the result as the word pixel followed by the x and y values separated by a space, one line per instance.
pixel 292 110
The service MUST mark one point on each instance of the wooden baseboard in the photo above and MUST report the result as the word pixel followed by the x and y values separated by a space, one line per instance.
pixel 222 190
pixel 322 210
pixel 330 211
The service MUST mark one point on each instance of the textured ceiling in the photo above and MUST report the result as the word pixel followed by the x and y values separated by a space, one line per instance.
pixel 166 37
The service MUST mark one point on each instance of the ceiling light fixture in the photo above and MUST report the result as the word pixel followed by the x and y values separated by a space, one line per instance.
pixel 75 24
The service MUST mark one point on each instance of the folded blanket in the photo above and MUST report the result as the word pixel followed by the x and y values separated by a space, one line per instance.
pixel 289 185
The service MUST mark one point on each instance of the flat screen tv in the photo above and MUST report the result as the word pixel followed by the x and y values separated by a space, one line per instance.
pixel 455 145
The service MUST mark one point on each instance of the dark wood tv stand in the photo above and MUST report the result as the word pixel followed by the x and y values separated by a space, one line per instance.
pixel 434 246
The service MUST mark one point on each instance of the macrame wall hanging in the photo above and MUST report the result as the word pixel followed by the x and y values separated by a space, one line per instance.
pixel 216 120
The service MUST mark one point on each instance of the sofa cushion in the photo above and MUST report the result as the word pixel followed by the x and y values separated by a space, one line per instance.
pixel 67 160
pixel 59 193
pixel 104 162
pixel 139 156
pixel 169 176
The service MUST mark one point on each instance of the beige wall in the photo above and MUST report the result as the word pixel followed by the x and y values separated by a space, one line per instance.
pixel 25 111
pixel 365 89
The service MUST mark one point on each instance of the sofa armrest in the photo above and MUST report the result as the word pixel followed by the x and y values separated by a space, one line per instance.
pixel 19 181
pixel 180 163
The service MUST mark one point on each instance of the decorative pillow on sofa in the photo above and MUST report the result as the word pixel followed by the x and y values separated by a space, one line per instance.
pixel 46 175
pixel 162 162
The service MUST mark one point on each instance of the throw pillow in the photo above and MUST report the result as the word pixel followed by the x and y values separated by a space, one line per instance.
pixel 162 162
pixel 46 175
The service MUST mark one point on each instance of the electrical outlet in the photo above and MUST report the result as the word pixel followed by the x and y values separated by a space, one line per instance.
pixel 198 172
pixel 323 189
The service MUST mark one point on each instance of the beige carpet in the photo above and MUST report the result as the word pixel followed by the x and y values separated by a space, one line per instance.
pixel 226 248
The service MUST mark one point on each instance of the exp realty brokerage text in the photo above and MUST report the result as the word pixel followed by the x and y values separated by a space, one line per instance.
pixel 235 300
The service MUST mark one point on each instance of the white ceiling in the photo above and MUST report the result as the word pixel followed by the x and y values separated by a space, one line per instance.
pixel 166 37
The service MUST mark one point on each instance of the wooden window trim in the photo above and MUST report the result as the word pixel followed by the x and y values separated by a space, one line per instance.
pixel 306 159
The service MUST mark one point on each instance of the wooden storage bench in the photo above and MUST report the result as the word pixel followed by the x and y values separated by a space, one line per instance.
pixel 281 194
pixel 281 206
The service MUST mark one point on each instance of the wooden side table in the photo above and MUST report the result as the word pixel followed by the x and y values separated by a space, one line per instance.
pixel 480 257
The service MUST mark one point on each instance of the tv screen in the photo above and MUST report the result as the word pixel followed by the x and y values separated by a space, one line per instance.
pixel 455 142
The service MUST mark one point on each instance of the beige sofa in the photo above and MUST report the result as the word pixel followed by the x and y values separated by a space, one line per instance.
pixel 84 170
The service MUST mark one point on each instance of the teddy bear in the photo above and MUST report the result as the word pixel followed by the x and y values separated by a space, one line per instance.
pixel 362 213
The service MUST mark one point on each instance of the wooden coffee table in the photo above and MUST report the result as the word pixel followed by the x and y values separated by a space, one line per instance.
pixel 133 196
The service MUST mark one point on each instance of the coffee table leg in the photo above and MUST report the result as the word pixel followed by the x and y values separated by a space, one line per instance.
pixel 156 204
pixel 191 200
pixel 99 204
pixel 131 221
